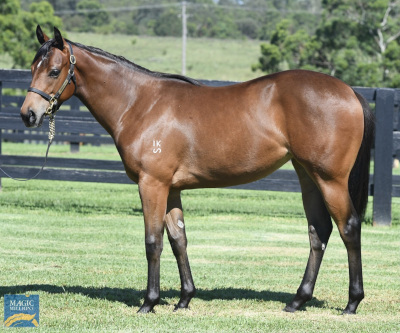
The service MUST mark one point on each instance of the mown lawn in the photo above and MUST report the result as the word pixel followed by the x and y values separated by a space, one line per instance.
pixel 212 59
pixel 80 246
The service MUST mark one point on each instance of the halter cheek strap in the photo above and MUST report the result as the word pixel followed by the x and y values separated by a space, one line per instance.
pixel 53 100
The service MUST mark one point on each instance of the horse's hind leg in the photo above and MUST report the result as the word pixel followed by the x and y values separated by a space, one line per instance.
pixel 335 193
pixel 319 230
pixel 340 206
pixel 177 238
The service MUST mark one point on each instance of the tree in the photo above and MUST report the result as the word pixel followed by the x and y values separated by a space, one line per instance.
pixel 356 40
pixel 212 21
pixel 168 24
pixel 354 36
pixel 18 29
pixel 95 17
pixel 381 20
pixel 287 49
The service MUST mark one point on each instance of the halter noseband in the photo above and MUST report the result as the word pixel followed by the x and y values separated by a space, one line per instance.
pixel 53 100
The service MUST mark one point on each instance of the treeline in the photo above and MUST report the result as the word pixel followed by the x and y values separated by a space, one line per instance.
pixel 206 18
pixel 355 40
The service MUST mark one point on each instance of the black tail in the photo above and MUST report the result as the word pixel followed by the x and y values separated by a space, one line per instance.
pixel 359 176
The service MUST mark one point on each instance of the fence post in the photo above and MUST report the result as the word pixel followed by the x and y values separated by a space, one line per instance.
pixel 382 207
pixel 74 146
pixel 1 139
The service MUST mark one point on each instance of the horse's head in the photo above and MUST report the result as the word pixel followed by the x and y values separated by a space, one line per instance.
pixel 52 71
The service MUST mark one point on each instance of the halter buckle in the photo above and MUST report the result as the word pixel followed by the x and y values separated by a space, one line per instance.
pixel 51 107
pixel 72 59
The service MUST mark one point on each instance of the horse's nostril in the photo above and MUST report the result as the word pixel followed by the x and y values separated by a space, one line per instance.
pixel 31 117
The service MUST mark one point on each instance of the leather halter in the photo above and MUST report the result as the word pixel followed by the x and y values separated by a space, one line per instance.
pixel 51 110
pixel 53 100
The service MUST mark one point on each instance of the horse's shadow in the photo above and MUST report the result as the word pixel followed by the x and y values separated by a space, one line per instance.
pixel 134 298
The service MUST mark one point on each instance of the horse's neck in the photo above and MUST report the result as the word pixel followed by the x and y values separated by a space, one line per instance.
pixel 107 88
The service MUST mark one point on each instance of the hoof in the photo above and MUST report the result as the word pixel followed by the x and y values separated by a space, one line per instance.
pixel 348 312
pixel 179 307
pixel 290 309
pixel 351 307
pixel 146 308
pixel 185 300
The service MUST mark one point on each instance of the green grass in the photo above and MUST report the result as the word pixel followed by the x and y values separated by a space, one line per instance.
pixel 104 152
pixel 80 246
pixel 212 59
pixel 206 58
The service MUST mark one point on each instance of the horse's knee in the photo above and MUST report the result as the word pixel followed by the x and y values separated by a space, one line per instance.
pixel 319 240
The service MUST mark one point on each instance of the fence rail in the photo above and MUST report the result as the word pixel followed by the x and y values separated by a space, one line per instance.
pixel 77 126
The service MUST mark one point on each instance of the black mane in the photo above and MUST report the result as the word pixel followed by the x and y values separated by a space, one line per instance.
pixel 46 47
pixel 134 66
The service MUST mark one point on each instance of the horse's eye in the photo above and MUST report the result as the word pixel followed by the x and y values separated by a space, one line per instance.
pixel 54 73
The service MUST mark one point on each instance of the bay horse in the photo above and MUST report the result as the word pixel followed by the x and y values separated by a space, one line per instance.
pixel 173 133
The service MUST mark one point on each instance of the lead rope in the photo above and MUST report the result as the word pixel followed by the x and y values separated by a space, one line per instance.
pixel 52 127
pixel 52 133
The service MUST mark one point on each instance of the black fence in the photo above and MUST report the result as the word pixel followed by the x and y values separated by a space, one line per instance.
pixel 77 126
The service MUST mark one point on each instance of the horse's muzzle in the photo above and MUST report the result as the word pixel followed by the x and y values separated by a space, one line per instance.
pixel 29 118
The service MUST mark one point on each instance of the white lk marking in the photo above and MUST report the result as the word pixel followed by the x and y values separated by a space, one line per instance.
pixel 157 145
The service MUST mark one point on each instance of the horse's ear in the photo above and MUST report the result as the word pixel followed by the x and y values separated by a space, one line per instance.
pixel 41 36
pixel 59 39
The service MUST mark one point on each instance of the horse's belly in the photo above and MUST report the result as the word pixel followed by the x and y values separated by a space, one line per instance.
pixel 221 168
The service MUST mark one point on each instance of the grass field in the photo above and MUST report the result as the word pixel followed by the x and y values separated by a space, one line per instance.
pixel 206 58
pixel 80 246
pixel 212 59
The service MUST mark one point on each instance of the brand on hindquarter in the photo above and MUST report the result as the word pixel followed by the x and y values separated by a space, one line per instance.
pixel 156 146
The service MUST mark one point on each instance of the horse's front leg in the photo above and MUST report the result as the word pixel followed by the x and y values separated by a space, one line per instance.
pixel 177 238
pixel 153 195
